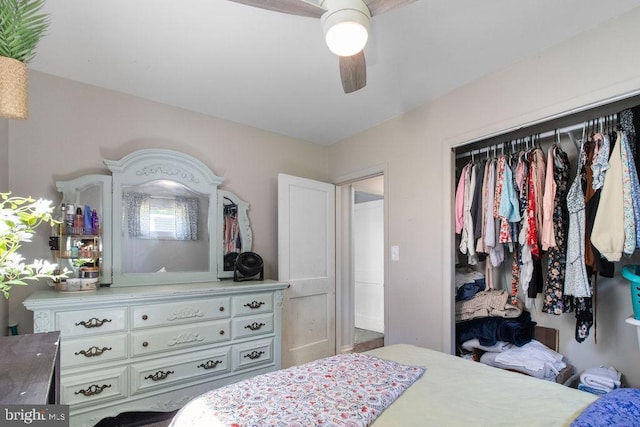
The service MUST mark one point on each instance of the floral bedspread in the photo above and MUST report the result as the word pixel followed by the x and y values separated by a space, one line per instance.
pixel 345 390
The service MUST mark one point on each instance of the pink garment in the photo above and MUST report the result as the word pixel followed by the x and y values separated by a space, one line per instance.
pixel 548 236
pixel 459 210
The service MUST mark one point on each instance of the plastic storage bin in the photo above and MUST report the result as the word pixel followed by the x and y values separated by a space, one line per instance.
pixel 632 274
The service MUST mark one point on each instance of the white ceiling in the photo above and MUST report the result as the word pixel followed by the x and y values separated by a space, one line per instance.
pixel 273 71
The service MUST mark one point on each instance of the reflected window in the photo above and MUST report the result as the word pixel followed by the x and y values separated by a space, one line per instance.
pixel 149 216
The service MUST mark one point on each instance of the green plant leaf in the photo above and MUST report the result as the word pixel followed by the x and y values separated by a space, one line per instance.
pixel 21 28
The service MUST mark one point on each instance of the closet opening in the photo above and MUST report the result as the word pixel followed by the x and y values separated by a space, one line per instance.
pixel 578 299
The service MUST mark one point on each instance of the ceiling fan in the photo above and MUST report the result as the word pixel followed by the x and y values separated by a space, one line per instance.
pixel 346 28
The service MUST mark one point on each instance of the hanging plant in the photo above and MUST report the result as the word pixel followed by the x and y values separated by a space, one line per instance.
pixel 21 28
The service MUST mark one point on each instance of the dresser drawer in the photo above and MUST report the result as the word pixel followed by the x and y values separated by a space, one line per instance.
pixel 247 326
pixel 95 387
pixel 179 312
pixel 176 337
pixel 91 350
pixel 84 322
pixel 187 367
pixel 253 353
pixel 252 303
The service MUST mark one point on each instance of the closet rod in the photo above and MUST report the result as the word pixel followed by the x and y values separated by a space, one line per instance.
pixel 547 134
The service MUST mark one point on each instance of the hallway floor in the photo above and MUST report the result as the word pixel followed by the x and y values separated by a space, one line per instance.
pixel 367 340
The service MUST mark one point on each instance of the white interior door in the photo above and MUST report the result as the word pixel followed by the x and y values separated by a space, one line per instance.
pixel 306 260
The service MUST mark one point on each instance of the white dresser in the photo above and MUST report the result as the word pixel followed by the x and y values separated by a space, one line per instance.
pixel 153 348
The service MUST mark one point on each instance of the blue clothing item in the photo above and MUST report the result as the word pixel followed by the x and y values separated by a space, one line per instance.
pixel 509 206
pixel 490 330
pixel 620 407
pixel 635 188
pixel 468 290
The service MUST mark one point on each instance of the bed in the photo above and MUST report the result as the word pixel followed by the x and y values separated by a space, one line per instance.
pixel 426 388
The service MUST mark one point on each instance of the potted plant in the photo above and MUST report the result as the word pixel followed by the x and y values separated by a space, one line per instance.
pixel 21 28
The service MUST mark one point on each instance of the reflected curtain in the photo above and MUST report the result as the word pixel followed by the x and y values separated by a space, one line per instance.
pixel 186 218
pixel 138 208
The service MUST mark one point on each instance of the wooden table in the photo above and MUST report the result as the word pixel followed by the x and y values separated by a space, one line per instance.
pixel 30 369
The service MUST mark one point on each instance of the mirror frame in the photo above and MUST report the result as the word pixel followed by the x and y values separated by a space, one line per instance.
pixel 71 190
pixel 148 165
pixel 246 235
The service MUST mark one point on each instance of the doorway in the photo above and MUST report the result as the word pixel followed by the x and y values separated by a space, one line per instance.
pixel 368 265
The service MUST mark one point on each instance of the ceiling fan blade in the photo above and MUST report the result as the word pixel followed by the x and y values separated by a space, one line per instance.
pixel 292 7
pixel 353 72
pixel 376 7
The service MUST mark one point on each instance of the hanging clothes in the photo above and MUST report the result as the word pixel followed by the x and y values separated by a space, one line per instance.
pixel 532 231
pixel 633 240
pixel 596 263
pixel 627 199
pixel 515 262
pixel 476 202
pixel 466 234
pixel 576 282
pixel 554 301
pixel 538 174
pixel 504 199
pixel 608 230
pixel 481 247
pixel 548 239
pixel 459 208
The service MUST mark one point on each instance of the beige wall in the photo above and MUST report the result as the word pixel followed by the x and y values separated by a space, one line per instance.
pixel 72 127
pixel 416 149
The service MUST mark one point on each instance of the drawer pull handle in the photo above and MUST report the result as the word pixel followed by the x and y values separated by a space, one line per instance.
pixel 145 317
pixel 92 351
pixel 254 326
pixel 221 308
pixel 210 364
pixel 254 304
pixel 94 322
pixel 93 389
pixel 145 344
pixel 254 354
pixel 159 376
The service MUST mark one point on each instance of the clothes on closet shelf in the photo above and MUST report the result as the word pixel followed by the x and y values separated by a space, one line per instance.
pixel 491 303
pixel 534 359
pixel 524 201
pixel 490 330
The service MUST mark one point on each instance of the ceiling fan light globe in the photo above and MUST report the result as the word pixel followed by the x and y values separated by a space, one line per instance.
pixel 346 26
pixel 346 38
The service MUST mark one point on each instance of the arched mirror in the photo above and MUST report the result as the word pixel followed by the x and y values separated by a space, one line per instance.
pixel 170 220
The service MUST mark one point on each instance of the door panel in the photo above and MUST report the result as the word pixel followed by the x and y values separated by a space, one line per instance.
pixel 306 260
